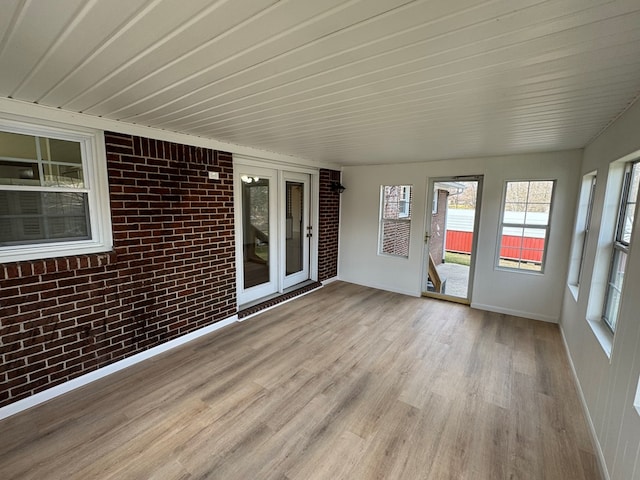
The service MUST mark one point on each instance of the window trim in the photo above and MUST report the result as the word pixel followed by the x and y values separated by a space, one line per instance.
pixel 502 224
pixel 94 165
pixel 619 246
pixel 586 227
pixel 581 231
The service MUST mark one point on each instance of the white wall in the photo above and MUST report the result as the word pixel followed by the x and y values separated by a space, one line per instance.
pixel 528 295
pixel 609 385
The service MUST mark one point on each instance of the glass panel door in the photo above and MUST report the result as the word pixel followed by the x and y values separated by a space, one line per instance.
pixel 273 231
pixel 450 239
pixel 255 227
pixel 295 236
pixel 297 229
pixel 258 230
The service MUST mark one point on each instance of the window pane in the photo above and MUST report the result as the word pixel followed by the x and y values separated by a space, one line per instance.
pixel 63 176
pixel 526 204
pixel 627 224
pixel 537 235
pixel 517 192
pixel 531 260
pixel 295 231
pixel 15 145
pixel 396 202
pixel 512 237
pixel 635 183
pixel 395 237
pixel 255 230
pixel 614 291
pixel 617 271
pixel 62 151
pixel 584 235
pixel 522 248
pixel 540 192
pixel 538 214
pixel 47 154
pixel 29 217
pixel 516 217
pixel 515 207
pixel 520 265
pixel 630 205
pixel 19 173
pixel 395 226
pixel 612 307
pixel 523 244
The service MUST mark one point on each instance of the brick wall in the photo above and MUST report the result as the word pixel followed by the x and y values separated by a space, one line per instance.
pixel 172 271
pixel 438 228
pixel 328 225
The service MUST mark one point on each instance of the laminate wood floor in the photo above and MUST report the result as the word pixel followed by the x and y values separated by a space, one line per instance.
pixel 344 383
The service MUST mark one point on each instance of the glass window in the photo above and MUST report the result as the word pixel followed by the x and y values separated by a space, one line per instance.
pixel 395 220
pixel 582 229
pixel 621 242
pixel 47 207
pixel 587 227
pixel 525 224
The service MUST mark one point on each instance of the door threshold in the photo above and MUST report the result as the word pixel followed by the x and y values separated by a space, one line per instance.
pixel 447 298
pixel 251 308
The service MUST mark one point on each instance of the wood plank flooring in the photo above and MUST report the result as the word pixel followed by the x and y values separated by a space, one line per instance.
pixel 346 382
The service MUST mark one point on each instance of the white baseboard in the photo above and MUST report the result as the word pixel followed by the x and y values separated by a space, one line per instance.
pixel 592 429
pixel 515 313
pixel 87 378
pixel 330 280
pixel 386 288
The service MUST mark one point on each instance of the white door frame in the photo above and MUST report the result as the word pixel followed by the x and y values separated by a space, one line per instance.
pixel 298 277
pixel 431 181
pixel 243 164
pixel 250 294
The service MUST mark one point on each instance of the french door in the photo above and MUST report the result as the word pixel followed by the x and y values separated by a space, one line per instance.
pixel 273 230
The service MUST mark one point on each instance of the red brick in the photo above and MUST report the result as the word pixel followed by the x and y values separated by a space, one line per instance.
pixel 172 269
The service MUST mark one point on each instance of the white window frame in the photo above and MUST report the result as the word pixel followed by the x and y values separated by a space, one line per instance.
pixel 404 201
pixel 620 246
pixel 582 231
pixel 587 227
pixel 524 226
pixel 94 166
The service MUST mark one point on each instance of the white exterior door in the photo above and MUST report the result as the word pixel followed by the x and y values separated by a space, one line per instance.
pixel 296 228
pixel 274 231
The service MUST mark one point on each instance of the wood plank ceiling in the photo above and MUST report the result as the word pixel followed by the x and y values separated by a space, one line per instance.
pixel 356 82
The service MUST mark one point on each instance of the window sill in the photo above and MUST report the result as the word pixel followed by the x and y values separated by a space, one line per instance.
pixel 524 271
pixel 603 335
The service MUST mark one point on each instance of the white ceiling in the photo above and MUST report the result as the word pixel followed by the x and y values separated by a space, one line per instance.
pixel 353 82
